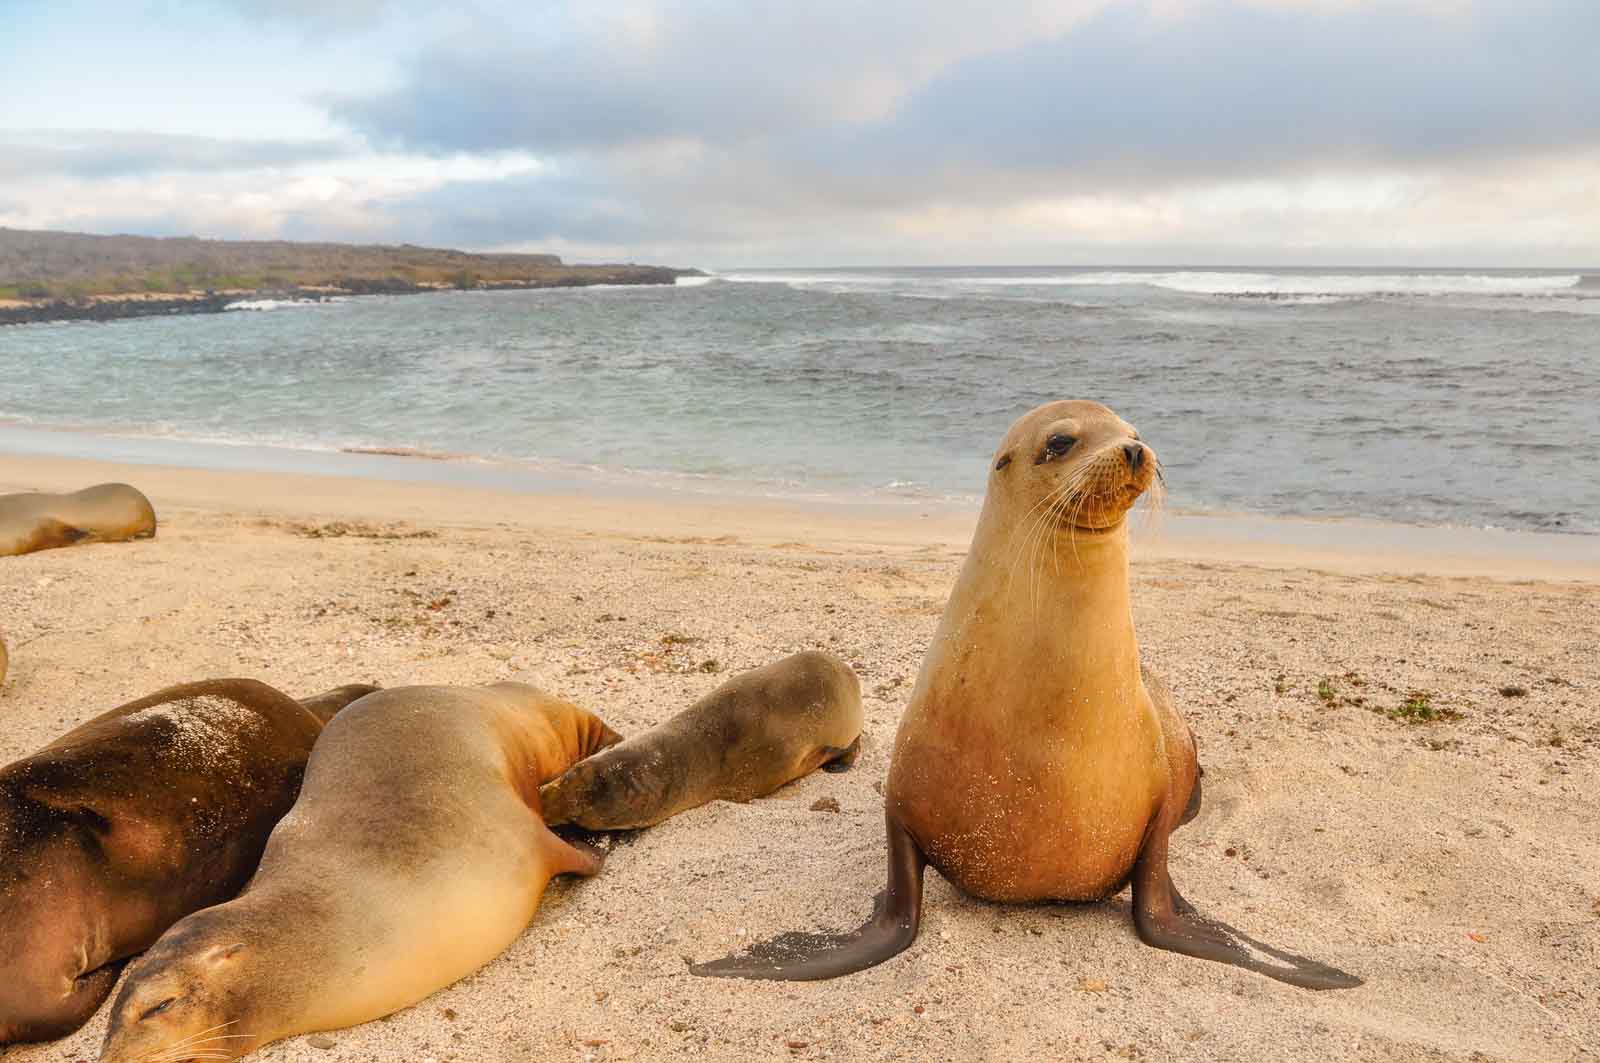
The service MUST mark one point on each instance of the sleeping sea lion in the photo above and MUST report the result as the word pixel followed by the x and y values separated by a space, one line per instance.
pixel 414 856
pixel 120 828
pixel 1037 760
pixel 756 732
pixel 105 513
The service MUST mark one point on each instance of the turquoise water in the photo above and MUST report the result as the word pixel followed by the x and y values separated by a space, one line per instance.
pixel 1459 397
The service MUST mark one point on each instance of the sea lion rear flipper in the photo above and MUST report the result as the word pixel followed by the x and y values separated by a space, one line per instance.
pixel 328 704
pixel 840 760
pixel 799 956
pixel 49 534
pixel 1166 921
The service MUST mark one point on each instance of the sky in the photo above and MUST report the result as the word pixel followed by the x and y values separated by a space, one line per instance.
pixel 728 133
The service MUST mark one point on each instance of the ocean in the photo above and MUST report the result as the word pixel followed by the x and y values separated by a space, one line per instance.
pixel 1456 397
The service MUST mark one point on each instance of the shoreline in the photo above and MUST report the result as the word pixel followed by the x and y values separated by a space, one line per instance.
pixel 109 307
pixel 381 487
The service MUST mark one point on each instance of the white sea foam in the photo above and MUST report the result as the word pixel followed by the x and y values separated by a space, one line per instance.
pixel 271 304
pixel 1206 282
pixel 824 278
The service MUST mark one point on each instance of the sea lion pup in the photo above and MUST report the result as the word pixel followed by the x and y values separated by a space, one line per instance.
pixel 105 513
pixel 414 856
pixel 1036 759
pixel 120 828
pixel 756 732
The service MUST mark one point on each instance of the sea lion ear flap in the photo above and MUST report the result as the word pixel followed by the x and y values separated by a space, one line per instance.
pixel 1005 459
pixel 225 952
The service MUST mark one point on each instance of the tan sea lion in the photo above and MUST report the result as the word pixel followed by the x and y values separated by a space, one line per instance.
pixel 105 513
pixel 414 856
pixel 1037 760
pixel 756 732
pixel 120 828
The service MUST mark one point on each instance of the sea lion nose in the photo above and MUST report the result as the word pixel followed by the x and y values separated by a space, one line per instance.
pixel 1134 452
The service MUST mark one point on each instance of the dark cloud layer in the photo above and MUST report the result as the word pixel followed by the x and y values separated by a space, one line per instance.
pixel 97 154
pixel 1227 89
pixel 1219 86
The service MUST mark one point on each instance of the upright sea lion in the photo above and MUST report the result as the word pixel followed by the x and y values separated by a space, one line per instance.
pixel 414 856
pixel 1037 760
pixel 754 733
pixel 120 828
pixel 105 513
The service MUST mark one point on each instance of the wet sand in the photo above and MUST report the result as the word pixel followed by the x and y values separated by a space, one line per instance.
pixel 1454 863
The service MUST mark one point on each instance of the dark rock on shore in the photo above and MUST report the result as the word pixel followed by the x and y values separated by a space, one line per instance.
pixel 213 303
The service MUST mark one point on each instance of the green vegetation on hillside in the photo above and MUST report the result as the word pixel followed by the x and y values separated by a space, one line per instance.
pixel 74 266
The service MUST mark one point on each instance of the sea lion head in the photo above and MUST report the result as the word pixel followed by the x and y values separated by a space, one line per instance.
pixel 1073 464
pixel 191 993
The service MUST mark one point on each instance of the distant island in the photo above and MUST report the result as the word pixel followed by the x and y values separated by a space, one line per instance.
pixel 58 276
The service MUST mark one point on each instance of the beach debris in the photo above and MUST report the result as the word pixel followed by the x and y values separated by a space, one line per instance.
pixel 1419 708
pixel 1512 691
pixel 1092 985
pixel 321 1040
pixel 355 529
pixel 825 804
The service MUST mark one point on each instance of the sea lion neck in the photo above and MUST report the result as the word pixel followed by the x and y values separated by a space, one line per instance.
pixel 1057 600
pixel 544 736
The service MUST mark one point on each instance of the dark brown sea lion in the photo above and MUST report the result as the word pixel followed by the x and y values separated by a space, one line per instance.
pixel 1037 760
pixel 120 828
pixel 414 856
pixel 105 513
pixel 756 732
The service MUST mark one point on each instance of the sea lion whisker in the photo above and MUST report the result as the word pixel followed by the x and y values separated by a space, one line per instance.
pixel 192 1039
pixel 1073 502
pixel 1029 528
pixel 1044 529
pixel 188 1052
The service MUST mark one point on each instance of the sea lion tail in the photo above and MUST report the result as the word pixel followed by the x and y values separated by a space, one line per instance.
pixel 799 956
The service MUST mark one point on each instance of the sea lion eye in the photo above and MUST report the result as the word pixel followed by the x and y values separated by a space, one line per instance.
pixel 159 1008
pixel 1059 444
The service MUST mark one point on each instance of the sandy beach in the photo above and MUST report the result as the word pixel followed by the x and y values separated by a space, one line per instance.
pixel 1453 862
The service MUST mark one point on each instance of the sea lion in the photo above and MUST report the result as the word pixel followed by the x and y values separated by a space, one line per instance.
pixel 756 732
pixel 414 856
pixel 1037 760
pixel 104 513
pixel 5 659
pixel 120 828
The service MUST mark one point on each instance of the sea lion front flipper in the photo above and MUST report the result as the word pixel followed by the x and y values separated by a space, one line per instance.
pixel 1166 921
pixel 63 1016
pixel 798 956
pixel 571 856
pixel 841 760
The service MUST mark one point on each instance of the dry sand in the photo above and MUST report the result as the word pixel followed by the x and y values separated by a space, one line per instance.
pixel 1454 864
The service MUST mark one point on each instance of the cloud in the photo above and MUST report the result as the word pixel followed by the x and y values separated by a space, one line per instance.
pixel 345 14
pixel 594 77
pixel 721 133
pixel 1222 88
pixel 1220 85
pixel 104 154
